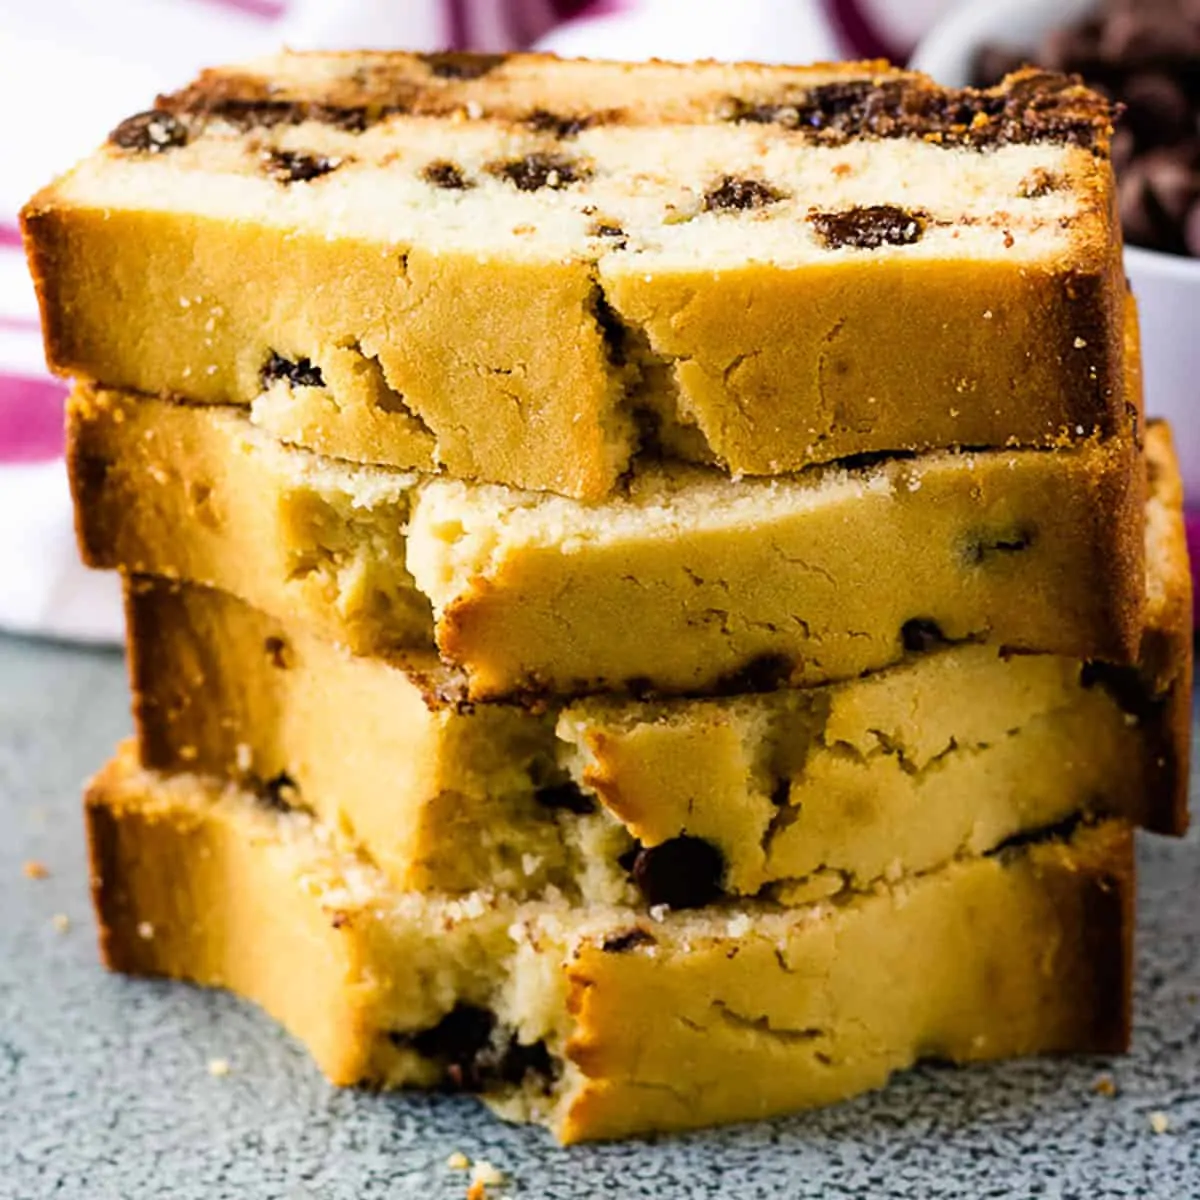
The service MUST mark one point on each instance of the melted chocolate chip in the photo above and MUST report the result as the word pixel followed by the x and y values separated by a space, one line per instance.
pixel 454 64
pixel 1125 685
pixel 618 943
pixel 150 132
pixel 733 194
pixel 684 872
pixel 868 228
pixel 980 548
pixel 1041 107
pixel 280 793
pixel 537 171
pixel 606 230
pixel 765 673
pixel 293 166
pixel 267 114
pixel 920 635
pixel 444 174
pixel 541 120
pixel 300 373
pixel 278 652
pixel 475 1052
pixel 568 796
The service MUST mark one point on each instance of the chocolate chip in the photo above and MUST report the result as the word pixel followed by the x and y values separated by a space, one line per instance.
pixel 281 793
pixel 766 673
pixel 151 132
pixel 606 229
pixel 568 796
pixel 685 872
pixel 1039 108
pixel 247 114
pixel 868 228
pixel 300 373
pixel 293 166
pixel 454 64
pixel 444 174
pixel 278 652
pixel 921 635
pixel 1126 685
pixel 1156 108
pixel 1156 193
pixel 618 943
pixel 1138 37
pixel 475 1052
pixel 740 194
pixel 980 547
pixel 537 171
pixel 541 120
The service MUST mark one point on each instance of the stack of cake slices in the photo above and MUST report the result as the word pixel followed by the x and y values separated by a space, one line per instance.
pixel 650 595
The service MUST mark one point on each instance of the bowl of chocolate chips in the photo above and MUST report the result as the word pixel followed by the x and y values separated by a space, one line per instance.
pixel 1145 54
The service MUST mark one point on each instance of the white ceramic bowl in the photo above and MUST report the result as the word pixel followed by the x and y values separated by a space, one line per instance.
pixel 1167 286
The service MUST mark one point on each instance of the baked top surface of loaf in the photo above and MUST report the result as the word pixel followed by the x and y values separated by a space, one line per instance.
pixel 686 582
pixel 608 1022
pixel 793 793
pixel 647 235
pixel 873 161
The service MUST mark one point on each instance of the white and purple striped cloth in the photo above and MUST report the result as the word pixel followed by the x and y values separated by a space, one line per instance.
pixel 71 69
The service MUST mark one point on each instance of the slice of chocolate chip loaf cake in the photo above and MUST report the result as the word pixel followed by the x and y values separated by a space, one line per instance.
pixel 685 581
pixel 782 795
pixel 527 271
pixel 609 1021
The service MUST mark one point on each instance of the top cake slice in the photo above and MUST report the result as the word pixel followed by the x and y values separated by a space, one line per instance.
pixel 526 270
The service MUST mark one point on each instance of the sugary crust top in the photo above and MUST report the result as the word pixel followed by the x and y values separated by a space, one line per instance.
pixel 645 166
pixel 828 102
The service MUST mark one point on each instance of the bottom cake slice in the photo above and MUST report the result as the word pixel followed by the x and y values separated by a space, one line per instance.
pixel 603 1021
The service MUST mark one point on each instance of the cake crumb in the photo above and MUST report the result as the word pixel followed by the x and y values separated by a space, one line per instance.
pixel 483 1176
pixel 218 1067
pixel 61 922
pixel 1105 1086
pixel 458 1161
pixel 145 930
pixel 1159 1122
pixel 35 870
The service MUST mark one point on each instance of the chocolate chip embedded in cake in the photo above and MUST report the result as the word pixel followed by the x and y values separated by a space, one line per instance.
pixel 975 225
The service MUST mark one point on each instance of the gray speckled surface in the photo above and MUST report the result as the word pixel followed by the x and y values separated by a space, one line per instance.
pixel 104 1090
